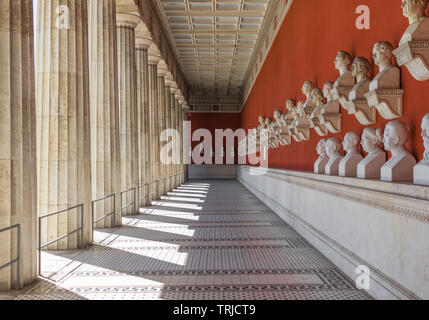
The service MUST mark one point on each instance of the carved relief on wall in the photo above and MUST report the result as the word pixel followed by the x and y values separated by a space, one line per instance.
pixel 357 103
pixel 413 51
pixel 385 92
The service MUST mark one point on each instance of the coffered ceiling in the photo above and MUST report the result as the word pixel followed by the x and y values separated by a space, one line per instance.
pixel 214 42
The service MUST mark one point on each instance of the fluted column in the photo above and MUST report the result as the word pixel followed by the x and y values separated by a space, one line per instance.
pixel 166 127
pixel 62 102
pixel 126 24
pixel 177 127
pixel 172 125
pixel 103 72
pixel 153 59
pixel 143 115
pixel 161 121
pixel 18 189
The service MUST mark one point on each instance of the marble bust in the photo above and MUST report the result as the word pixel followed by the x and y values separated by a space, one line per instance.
pixel 413 51
pixel 357 104
pixel 292 116
pixel 370 166
pixel 345 81
pixel 399 168
pixel 307 88
pixel 333 150
pixel 322 161
pixel 384 90
pixel 421 170
pixel 360 70
pixel 389 76
pixel 348 165
pixel 301 123
pixel 274 126
pixel 415 11
pixel 317 98
pixel 330 113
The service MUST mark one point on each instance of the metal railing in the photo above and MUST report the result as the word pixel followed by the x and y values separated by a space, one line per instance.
pixel 79 229
pixel 145 193
pixel 133 203
pixel 110 214
pixel 17 260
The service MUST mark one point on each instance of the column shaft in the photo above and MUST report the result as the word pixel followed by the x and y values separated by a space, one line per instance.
pixel 64 141
pixel 161 120
pixel 105 169
pixel 18 189
pixel 128 115
pixel 143 114
pixel 153 99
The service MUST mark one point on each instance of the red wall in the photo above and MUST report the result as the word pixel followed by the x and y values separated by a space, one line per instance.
pixel 213 121
pixel 305 48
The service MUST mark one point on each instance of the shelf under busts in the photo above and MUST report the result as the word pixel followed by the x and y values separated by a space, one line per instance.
pixel 414 55
pixel 362 111
pixel 388 102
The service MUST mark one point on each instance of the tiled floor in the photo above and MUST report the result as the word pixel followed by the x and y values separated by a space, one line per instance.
pixel 205 240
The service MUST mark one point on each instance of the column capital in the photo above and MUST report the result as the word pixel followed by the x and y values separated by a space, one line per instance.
pixel 154 55
pixel 127 20
pixel 143 43
pixel 162 68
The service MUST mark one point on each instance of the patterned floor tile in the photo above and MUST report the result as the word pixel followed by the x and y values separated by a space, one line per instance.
pixel 204 240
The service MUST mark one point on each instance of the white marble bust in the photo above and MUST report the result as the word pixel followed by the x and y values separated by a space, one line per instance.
pixel 327 88
pixel 389 76
pixel 322 161
pixel 421 170
pixel 333 150
pixel 370 166
pixel 307 88
pixel 342 63
pixel 399 168
pixel 415 11
pixel 360 69
pixel 348 165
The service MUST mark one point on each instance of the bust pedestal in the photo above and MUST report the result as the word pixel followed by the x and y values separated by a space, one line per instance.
pixel 348 165
pixel 320 164
pixel 332 167
pixel 370 166
pixel 421 173
pixel 398 169
pixel 413 51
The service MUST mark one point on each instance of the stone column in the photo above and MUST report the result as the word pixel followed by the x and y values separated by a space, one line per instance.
pixel 172 125
pixel 103 72
pixel 167 126
pixel 177 124
pixel 63 120
pixel 126 24
pixel 153 59
pixel 18 188
pixel 161 120
pixel 143 114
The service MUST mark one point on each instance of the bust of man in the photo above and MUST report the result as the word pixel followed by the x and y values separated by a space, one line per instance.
pixel 307 88
pixel 400 166
pixel 327 88
pixel 389 76
pixel 421 170
pixel 342 63
pixel 415 11
pixel 320 164
pixel 360 69
pixel 348 165
pixel 333 150
pixel 370 166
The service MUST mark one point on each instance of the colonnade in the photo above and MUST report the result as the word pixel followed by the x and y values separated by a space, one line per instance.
pixel 80 127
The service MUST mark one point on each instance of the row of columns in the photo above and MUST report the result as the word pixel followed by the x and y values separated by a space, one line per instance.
pixel 83 124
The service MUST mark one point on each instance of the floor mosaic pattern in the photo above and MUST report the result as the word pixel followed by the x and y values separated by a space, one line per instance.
pixel 205 240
